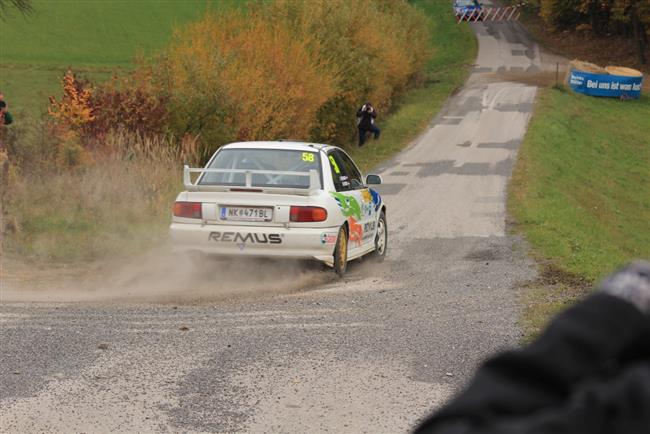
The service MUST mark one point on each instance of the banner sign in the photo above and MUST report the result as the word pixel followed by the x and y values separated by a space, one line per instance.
pixel 605 84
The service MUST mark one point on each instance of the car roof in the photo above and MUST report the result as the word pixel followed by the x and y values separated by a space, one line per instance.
pixel 279 144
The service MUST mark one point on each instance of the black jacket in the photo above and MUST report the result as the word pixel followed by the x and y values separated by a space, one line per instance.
pixel 588 373
pixel 366 118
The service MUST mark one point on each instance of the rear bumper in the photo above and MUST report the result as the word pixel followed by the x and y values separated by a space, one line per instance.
pixel 298 243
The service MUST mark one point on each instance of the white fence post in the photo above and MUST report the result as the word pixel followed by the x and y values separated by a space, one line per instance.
pixel 510 13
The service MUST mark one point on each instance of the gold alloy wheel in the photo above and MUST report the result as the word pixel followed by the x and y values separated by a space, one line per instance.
pixel 381 239
pixel 341 253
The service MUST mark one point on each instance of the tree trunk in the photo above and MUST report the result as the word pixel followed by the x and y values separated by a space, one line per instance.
pixel 639 36
pixel 592 20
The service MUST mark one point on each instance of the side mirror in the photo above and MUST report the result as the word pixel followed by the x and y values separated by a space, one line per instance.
pixel 373 180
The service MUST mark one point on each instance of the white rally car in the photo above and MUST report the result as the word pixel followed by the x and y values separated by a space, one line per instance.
pixel 281 199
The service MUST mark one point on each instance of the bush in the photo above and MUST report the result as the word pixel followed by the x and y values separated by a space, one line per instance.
pixel 377 48
pixel 86 113
pixel 132 102
pixel 282 69
pixel 235 76
pixel 560 14
pixel 75 110
pixel 291 69
pixel 29 144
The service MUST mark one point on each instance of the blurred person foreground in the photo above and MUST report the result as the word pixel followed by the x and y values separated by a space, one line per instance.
pixel 589 372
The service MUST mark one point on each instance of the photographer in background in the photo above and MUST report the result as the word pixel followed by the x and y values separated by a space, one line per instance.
pixel 589 372
pixel 5 116
pixel 366 122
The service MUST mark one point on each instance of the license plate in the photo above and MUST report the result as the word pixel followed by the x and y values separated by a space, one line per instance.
pixel 246 214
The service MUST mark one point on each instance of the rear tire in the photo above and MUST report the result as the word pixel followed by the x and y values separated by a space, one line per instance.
pixel 341 252
pixel 381 238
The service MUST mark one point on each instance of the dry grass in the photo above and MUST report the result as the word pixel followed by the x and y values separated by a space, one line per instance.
pixel 120 202
pixel 623 71
pixel 587 67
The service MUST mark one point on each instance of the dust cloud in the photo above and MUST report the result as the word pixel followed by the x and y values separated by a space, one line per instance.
pixel 159 277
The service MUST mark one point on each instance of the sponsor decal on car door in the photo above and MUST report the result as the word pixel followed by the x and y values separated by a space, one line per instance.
pixel 353 198
pixel 368 220
pixel 369 216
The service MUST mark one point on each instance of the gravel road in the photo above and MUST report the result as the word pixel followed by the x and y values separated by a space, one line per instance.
pixel 374 352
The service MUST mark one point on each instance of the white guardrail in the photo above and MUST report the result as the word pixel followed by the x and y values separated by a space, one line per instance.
pixel 509 13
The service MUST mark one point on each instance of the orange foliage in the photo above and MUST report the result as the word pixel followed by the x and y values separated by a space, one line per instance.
pixel 377 47
pixel 263 82
pixel 281 69
pixel 132 103
pixel 291 69
pixel 70 116
pixel 75 109
pixel 86 114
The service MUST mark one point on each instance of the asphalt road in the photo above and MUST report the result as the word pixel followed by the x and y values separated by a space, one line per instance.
pixel 299 351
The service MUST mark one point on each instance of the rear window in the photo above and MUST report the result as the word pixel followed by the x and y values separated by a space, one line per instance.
pixel 273 160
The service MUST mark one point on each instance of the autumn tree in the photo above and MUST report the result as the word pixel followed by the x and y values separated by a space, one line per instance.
pixel 233 76
pixel 291 69
pixel 74 109
pixel 560 14
pixel 630 18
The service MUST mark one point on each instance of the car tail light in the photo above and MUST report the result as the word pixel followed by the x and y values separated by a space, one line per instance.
pixel 191 210
pixel 307 214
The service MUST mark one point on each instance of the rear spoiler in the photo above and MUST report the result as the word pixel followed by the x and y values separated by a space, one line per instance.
pixel 314 181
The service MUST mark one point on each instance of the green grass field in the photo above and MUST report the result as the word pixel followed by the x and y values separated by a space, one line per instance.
pixel 95 33
pixel 580 192
pixel 94 37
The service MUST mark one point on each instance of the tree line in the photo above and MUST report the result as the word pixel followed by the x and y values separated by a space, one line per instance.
pixel 627 18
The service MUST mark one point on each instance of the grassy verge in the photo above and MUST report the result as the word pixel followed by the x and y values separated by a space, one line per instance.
pixel 453 50
pixel 580 193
